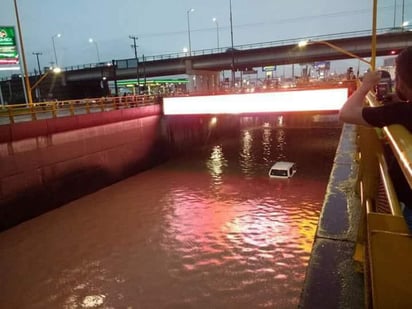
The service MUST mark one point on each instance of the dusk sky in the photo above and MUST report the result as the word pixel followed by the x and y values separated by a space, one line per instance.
pixel 161 25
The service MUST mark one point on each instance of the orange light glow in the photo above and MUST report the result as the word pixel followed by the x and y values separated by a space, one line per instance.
pixel 283 101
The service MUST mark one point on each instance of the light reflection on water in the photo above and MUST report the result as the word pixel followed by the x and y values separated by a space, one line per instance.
pixel 206 230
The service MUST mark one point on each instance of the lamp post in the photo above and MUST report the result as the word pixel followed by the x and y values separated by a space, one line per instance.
pixel 232 49
pixel 26 73
pixel 217 31
pixel 403 11
pixel 55 70
pixel 37 54
pixel 373 42
pixel 134 46
pixel 335 47
pixel 188 29
pixel 97 48
pixel 58 35
pixel 394 15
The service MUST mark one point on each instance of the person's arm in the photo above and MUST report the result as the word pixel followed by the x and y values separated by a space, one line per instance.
pixel 351 111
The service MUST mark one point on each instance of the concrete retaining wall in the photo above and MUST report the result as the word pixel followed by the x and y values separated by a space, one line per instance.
pixel 47 163
pixel 333 279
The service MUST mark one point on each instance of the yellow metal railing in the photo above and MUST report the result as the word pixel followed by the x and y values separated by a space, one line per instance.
pixel 384 238
pixel 52 109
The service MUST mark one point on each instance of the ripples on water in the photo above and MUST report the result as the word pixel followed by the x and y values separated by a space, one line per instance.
pixel 206 230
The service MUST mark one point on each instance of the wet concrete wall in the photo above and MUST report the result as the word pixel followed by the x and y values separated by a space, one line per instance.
pixel 333 279
pixel 47 163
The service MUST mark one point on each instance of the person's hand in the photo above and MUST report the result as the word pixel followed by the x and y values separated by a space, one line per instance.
pixel 370 80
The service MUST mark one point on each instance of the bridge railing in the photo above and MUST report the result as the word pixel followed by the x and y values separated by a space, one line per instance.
pixel 52 109
pixel 384 240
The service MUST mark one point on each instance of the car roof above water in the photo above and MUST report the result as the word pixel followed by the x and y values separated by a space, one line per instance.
pixel 283 165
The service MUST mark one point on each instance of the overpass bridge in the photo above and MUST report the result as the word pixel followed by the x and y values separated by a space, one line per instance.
pixel 205 65
pixel 245 56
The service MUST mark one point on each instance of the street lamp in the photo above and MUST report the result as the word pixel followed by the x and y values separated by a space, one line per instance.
pixel 97 49
pixel 134 46
pixel 371 63
pixel 58 35
pixel 55 70
pixel 232 49
pixel 339 49
pixel 26 72
pixel 217 30
pixel 188 29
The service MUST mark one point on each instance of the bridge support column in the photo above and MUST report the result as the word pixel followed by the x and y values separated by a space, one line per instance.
pixel 202 81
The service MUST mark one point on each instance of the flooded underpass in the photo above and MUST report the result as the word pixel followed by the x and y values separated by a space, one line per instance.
pixel 206 229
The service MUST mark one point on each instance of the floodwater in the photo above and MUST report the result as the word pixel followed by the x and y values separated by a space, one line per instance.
pixel 208 229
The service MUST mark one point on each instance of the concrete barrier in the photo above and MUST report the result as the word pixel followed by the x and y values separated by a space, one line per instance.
pixel 47 163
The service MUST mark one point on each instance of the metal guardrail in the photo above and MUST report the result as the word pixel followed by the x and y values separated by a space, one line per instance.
pixel 10 114
pixel 384 239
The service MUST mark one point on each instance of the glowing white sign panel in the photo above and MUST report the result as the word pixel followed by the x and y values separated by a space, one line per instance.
pixel 283 101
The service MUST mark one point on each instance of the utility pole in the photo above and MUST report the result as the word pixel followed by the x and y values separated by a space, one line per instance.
pixel 232 48
pixel 135 38
pixel 37 54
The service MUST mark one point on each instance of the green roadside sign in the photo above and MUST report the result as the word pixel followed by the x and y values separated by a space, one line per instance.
pixel 8 46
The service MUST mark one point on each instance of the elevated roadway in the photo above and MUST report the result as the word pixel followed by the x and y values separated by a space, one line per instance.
pixel 243 57
pixel 90 81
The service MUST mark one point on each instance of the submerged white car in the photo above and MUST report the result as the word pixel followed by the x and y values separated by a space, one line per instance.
pixel 282 169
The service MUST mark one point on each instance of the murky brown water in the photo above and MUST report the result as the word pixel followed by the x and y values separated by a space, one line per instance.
pixel 206 230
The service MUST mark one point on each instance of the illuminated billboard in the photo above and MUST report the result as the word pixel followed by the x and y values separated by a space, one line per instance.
pixel 8 46
pixel 264 102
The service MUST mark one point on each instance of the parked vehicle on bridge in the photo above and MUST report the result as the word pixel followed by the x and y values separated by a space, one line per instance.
pixel 282 169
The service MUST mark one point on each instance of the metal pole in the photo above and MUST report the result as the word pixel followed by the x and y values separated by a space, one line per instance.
pixel 232 49
pixel 38 62
pixel 144 71
pixel 373 43
pixel 394 15
pixel 188 30
pixel 97 51
pixel 26 72
pixel 116 89
pixel 1 97
pixel 217 32
pixel 403 12
pixel 40 80
pixel 135 38
pixel 54 48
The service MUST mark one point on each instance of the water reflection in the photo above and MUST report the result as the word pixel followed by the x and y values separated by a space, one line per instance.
pixel 216 164
pixel 165 239
pixel 267 142
pixel 246 155
pixel 280 144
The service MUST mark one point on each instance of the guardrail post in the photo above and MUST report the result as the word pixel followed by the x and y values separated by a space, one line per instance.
pixel 71 108
pixel 100 102
pixel 10 112
pixel 33 111
pixel 87 107
pixel 54 109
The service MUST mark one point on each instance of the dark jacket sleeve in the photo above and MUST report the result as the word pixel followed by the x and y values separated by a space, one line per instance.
pixel 390 113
